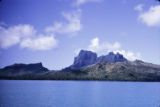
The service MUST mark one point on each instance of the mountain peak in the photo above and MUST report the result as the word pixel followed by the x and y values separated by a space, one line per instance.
pixel 86 58
pixel 111 53
pixel 34 67
pixel 85 52
pixel 111 58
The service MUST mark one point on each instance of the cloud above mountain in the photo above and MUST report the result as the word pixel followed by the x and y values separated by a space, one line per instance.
pixel 97 46
pixel 103 47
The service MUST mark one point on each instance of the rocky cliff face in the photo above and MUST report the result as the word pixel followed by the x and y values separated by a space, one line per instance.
pixel 111 58
pixel 84 58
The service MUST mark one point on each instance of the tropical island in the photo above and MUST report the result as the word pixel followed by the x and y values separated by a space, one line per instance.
pixel 87 66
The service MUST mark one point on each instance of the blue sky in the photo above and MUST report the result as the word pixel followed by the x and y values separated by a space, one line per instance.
pixel 53 31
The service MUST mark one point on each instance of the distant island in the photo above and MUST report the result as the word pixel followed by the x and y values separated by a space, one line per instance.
pixel 87 66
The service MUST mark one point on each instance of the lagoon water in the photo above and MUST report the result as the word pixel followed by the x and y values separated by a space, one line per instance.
pixel 28 93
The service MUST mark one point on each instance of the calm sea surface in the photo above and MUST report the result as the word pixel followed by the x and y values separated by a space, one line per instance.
pixel 28 93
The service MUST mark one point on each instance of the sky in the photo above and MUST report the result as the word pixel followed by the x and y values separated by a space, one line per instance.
pixel 54 31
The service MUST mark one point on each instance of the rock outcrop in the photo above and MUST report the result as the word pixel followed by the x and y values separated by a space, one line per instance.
pixel 83 59
pixel 111 58
pixel 86 58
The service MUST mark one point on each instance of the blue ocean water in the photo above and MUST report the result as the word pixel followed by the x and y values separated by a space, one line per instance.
pixel 28 93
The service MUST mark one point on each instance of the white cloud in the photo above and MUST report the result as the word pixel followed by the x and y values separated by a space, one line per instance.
pixel 39 43
pixel 25 35
pixel 81 2
pixel 139 7
pixel 13 35
pixel 72 24
pixel 104 47
pixel 96 46
pixel 151 17
pixel 128 54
